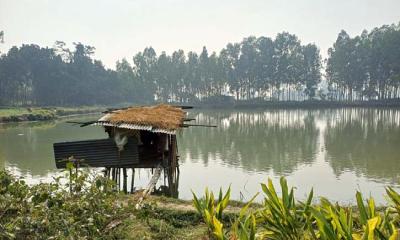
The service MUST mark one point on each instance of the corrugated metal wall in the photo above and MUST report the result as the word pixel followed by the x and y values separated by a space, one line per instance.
pixel 97 153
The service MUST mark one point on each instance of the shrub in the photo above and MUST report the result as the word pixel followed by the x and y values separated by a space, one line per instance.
pixel 50 210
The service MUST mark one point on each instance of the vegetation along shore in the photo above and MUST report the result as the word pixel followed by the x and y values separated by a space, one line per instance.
pixel 82 205
pixel 20 114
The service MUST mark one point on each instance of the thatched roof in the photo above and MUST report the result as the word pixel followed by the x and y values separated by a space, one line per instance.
pixel 160 118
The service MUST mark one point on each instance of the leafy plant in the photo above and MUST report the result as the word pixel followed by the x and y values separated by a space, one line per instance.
pixel 282 217
pixel 50 210
pixel 395 203
pixel 212 210
pixel 332 221
pixel 244 227
pixel 374 225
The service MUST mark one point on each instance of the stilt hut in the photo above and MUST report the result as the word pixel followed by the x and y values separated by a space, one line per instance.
pixel 138 137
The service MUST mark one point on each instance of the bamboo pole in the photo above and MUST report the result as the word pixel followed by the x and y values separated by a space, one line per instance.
pixel 150 186
pixel 133 180
pixel 125 181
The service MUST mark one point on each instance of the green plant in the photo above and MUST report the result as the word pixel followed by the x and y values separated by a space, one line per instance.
pixel 332 221
pixel 281 217
pixel 212 210
pixel 244 227
pixel 394 198
pixel 374 225
pixel 50 210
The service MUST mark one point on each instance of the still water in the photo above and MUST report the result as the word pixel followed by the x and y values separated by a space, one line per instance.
pixel 334 151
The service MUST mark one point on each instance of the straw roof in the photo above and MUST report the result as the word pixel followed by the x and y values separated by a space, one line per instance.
pixel 159 118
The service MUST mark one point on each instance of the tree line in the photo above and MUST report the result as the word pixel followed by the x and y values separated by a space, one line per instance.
pixel 365 66
pixel 255 69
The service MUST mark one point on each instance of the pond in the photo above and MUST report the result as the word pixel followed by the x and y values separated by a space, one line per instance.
pixel 334 151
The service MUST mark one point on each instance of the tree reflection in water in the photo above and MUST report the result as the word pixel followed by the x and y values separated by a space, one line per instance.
pixel 364 141
pixel 255 141
pixel 345 145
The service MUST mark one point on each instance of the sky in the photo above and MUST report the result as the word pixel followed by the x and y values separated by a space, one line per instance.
pixel 121 28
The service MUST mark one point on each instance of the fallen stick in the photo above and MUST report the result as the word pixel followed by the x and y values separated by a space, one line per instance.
pixel 150 186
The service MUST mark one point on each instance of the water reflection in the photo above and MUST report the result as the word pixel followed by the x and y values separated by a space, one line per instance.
pixel 28 147
pixel 325 149
pixel 364 141
pixel 254 141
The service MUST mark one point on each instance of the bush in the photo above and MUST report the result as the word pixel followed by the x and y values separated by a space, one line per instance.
pixel 51 210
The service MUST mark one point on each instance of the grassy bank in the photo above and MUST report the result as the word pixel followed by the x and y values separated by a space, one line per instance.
pixel 87 206
pixel 41 114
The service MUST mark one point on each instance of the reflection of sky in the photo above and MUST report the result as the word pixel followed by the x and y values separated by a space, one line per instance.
pixel 209 156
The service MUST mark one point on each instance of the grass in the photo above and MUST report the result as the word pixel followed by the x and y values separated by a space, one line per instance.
pixel 46 113
pixel 7 112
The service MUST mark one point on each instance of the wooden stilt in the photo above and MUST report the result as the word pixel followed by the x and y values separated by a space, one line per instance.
pixel 133 180
pixel 165 176
pixel 125 181
pixel 108 172
pixel 172 165
pixel 119 178
pixel 114 177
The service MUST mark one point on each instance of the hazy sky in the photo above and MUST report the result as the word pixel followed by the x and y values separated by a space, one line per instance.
pixel 121 28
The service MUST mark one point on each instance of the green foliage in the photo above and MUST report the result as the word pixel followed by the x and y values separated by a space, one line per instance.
pixel 374 224
pixel 333 221
pixel 365 66
pixel 395 200
pixel 282 217
pixel 395 203
pixel 244 225
pixel 358 68
pixel 50 210
pixel 81 206
pixel 211 211
pixel 254 68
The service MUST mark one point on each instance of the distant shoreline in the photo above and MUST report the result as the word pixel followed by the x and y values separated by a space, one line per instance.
pixel 19 114
pixel 308 104
pixel 26 114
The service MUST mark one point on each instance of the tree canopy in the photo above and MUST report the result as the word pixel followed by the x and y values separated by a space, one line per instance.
pixel 365 66
pixel 280 69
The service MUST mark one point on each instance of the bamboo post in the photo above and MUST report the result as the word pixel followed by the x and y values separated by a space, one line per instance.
pixel 108 172
pixel 150 186
pixel 172 157
pixel 133 180
pixel 125 181
pixel 174 154
pixel 118 179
